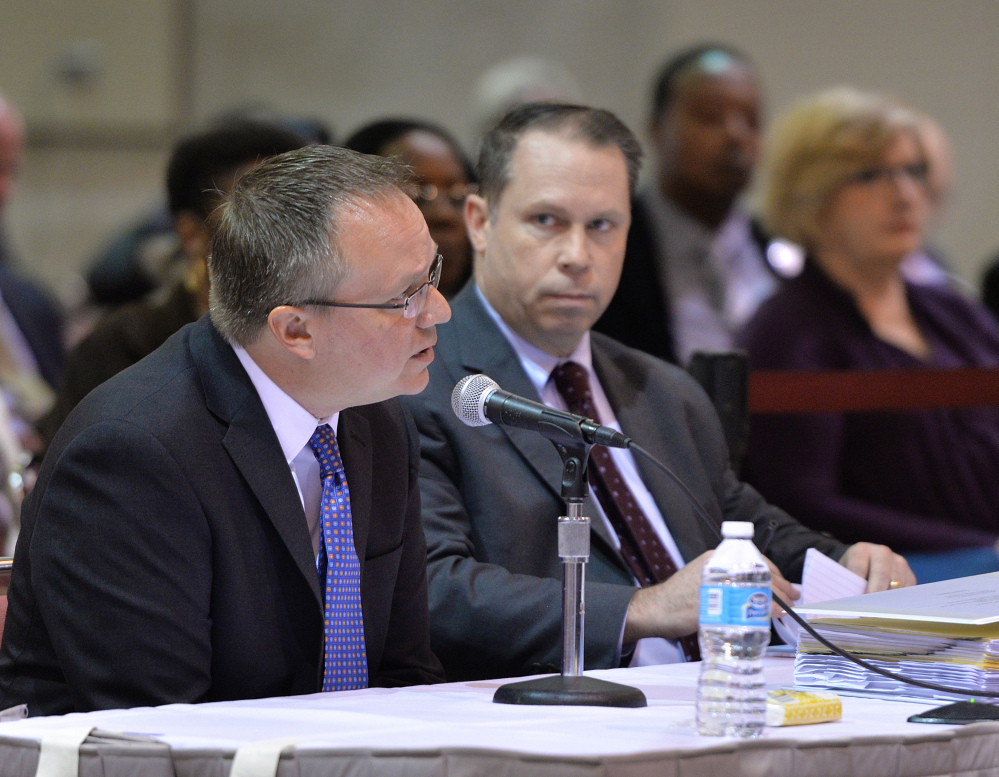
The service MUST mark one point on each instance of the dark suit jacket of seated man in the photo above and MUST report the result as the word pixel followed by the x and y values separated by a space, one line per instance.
pixel 549 242
pixel 165 554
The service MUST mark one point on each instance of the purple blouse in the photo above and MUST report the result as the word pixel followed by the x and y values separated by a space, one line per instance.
pixel 914 480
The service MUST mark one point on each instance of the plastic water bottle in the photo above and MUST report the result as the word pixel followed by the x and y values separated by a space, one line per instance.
pixel 734 633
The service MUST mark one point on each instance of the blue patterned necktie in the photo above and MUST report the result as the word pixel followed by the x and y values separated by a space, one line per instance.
pixel 346 663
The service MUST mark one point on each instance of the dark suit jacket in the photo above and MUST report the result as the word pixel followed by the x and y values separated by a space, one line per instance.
pixel 638 314
pixel 119 340
pixel 491 497
pixel 165 556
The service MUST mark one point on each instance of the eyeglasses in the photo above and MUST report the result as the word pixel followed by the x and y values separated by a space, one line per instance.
pixel 917 172
pixel 411 307
pixel 454 194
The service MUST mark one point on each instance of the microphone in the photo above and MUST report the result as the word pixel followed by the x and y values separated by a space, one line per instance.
pixel 478 400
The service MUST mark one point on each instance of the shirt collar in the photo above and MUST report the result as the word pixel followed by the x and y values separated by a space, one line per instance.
pixel 537 363
pixel 686 237
pixel 293 424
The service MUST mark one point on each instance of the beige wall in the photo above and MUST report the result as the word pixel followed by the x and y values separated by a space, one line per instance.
pixel 348 62
pixel 70 201
pixel 103 86
pixel 93 65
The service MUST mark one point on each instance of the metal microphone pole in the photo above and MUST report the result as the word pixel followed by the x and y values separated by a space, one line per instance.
pixel 572 687
pixel 574 550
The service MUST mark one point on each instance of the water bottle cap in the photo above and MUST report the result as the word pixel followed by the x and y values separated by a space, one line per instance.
pixel 738 530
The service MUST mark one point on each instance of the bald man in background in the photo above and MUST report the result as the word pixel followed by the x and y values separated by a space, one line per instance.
pixel 696 264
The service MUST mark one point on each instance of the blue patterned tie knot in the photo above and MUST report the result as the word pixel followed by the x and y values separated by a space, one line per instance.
pixel 327 452
pixel 345 664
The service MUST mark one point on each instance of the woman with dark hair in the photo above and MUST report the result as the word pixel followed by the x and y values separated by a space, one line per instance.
pixel 846 177
pixel 444 176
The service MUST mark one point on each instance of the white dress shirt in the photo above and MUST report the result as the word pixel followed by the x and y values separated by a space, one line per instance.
pixel 538 365
pixel 294 426
pixel 714 280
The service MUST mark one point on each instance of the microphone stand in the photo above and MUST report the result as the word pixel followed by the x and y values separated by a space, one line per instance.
pixel 571 687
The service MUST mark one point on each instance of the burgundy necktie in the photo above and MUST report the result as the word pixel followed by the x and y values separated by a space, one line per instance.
pixel 641 547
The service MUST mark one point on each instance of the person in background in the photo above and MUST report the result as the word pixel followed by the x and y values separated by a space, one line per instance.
pixel 549 227
pixel 516 81
pixel 143 257
pixel 696 266
pixel 445 177
pixel 927 265
pixel 846 176
pixel 990 286
pixel 12 131
pixel 237 516
pixel 203 168
pixel 29 322
pixel 32 353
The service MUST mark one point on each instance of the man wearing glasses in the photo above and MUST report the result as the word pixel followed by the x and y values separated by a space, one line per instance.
pixel 237 516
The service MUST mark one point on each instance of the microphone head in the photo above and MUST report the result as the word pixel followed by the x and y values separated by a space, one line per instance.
pixel 469 397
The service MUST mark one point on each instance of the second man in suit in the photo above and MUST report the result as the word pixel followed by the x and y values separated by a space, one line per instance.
pixel 548 228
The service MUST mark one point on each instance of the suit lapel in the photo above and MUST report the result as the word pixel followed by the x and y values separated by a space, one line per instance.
pixel 636 410
pixel 354 440
pixel 485 350
pixel 252 444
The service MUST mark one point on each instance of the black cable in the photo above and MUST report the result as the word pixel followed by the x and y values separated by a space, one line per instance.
pixel 706 519
pixel 870 667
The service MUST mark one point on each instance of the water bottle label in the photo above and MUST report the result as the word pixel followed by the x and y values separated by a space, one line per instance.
pixel 731 606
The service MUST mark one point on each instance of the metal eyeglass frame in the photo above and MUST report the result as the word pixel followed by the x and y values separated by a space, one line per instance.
pixel 411 307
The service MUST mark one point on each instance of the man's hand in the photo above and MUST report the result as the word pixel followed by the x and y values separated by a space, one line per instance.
pixel 789 592
pixel 670 609
pixel 879 566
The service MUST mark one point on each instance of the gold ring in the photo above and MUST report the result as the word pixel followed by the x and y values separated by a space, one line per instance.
pixel 895 584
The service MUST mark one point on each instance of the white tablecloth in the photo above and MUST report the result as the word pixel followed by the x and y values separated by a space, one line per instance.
pixel 455 729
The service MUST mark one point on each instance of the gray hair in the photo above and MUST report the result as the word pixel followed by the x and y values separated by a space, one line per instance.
pixel 276 237
pixel 594 126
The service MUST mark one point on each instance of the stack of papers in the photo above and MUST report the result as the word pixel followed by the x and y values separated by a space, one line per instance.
pixel 945 633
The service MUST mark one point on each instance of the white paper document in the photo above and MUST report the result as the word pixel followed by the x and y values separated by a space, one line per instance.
pixel 821 580
pixel 973 601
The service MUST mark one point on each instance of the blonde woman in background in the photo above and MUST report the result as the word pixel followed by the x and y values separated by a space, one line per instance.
pixel 846 177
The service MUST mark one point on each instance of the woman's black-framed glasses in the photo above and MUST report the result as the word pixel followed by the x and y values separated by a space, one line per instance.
pixel 411 307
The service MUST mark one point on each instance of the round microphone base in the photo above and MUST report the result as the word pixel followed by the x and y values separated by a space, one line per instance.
pixel 577 691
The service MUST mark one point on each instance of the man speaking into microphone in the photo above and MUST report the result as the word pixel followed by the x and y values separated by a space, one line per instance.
pixel 237 516
pixel 548 228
